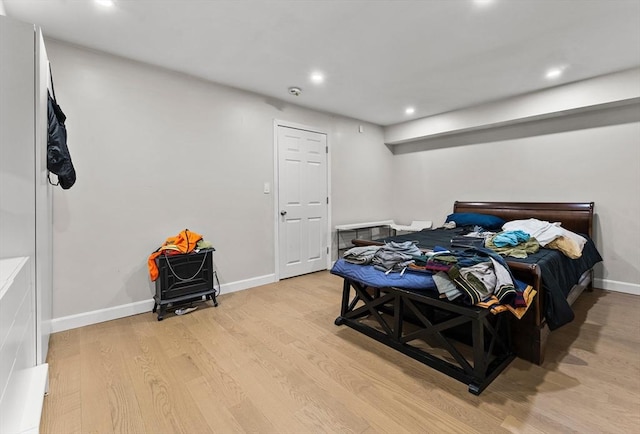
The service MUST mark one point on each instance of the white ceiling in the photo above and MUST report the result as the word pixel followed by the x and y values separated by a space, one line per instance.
pixel 379 57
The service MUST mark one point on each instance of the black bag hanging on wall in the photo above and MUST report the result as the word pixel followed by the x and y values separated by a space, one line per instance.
pixel 58 157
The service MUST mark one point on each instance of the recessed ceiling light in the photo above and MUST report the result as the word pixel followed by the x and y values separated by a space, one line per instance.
pixel 410 110
pixel 317 77
pixel 483 3
pixel 105 3
pixel 554 73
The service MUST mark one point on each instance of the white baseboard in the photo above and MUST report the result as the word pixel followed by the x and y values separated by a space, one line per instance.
pixel 101 315
pixel 614 285
pixel 248 283
pixel 124 310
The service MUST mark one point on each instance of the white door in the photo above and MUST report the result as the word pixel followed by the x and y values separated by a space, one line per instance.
pixel 302 200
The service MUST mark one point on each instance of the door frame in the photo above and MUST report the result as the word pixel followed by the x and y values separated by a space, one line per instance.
pixel 276 189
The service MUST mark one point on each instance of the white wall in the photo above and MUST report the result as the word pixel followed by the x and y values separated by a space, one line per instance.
pixel 157 152
pixel 17 139
pixel 599 163
pixel 361 174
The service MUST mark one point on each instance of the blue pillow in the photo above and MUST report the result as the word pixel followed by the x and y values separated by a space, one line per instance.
pixel 487 221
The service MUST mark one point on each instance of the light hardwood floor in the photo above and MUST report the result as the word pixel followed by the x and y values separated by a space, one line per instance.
pixel 271 360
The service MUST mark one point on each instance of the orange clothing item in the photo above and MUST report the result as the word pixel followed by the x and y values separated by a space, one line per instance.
pixel 184 242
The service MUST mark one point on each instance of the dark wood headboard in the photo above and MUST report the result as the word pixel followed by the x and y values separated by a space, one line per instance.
pixel 574 216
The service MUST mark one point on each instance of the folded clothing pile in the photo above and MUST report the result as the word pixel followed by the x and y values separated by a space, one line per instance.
pixel 550 235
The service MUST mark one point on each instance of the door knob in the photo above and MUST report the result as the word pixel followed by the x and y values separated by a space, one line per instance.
pixel 283 213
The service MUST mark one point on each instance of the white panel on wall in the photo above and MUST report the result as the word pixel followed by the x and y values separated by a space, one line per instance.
pixel 17 139
pixel 24 261
pixel 44 208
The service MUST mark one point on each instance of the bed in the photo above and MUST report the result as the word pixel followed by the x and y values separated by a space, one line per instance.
pixel 558 280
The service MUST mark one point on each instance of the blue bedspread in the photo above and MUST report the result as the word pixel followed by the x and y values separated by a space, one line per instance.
pixel 370 276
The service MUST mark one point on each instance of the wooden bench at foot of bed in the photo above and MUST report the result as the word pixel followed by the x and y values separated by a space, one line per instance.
pixel 405 320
